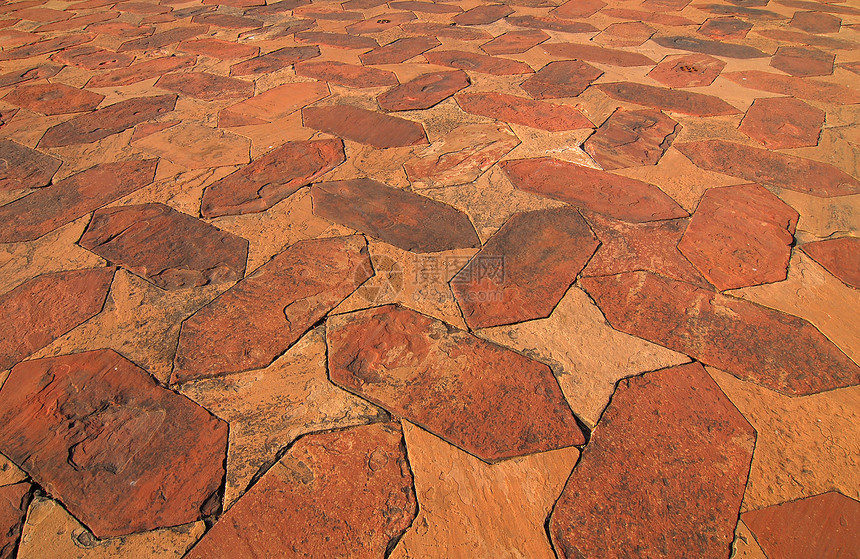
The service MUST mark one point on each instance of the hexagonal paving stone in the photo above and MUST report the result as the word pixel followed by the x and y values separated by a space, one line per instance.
pixel 478 62
pixel 54 98
pixel 725 28
pixel 631 139
pixel 93 58
pixel 272 104
pixel 796 87
pixel 399 51
pixel 365 127
pixel 670 100
pixel 489 401
pixel 708 46
pixel 578 8
pixel 600 55
pixel 113 444
pixel 803 61
pixel 482 15
pixel 142 71
pixel 782 123
pixel 514 42
pixel 217 48
pixel 196 146
pixel 336 40
pixel 840 256
pixel 163 38
pixel 563 78
pixel 227 21
pixel 815 22
pixel 424 91
pixel 380 23
pixel 281 58
pixel 29 73
pixel 551 24
pixel 205 86
pixel 626 34
pixel 45 46
pixel 688 70
pixel 441 30
pixel 22 167
pixel 348 75
pixel 520 110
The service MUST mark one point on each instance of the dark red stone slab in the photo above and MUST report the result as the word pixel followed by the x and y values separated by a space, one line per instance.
pixel 816 22
pixel 795 87
pixel 478 62
pixel 255 321
pixel 551 24
pixel 803 61
pixel 757 344
pixel 424 91
pixel 841 257
pixel 100 434
pixel 708 46
pixel 515 42
pixel 171 249
pixel 217 48
pixel 22 167
pixel 592 189
pixel 783 123
pixel 164 38
pixel 142 71
pixel 46 209
pixel 826 525
pixel 663 474
pixel 482 15
pixel 741 11
pixel 45 308
pixel 42 14
pixel 428 29
pixel 337 494
pixel 272 177
pixel 54 98
pixel 399 51
pixel 740 236
pixel 227 21
pixel 14 501
pixel 488 400
pixel 768 167
pixel 632 139
pixel 337 40
pixel 425 7
pixel 349 75
pixel 578 8
pixel 689 70
pixel 205 86
pixel 520 110
pixel 563 78
pixel 600 55
pixel 380 23
pixel 363 126
pixel 45 46
pixel 23 75
pixel 275 60
pixel 725 28
pixel 93 58
pixel 671 100
pixel 523 270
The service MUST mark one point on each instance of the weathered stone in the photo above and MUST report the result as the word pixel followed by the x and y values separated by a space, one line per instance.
pixel 424 91
pixel 651 17
pixel 600 55
pixel 14 500
pixel 523 271
pixel 273 104
pixel 227 21
pixel 365 127
pixel 515 42
pixel 579 8
pixel 626 34
pixel 121 29
pixel 812 90
pixel 335 494
pixel 217 48
pixel 768 167
pixel 631 139
pixel 782 123
pixel 523 111
pixel 425 7
pixel 196 146
pixel 26 74
pixel 707 46
pixel 773 349
pixel 592 189
pixel 482 15
pixel 142 71
pixel 275 60
pixel 625 499
pixel 490 401
pixel 93 58
pixel 107 121
pixel 380 23
pixel 725 28
pixel 399 51
pixel 271 178
pixel 112 446
pixel 671 100
pixel 816 22
pixel 349 75
pixel 45 46
pixel 54 98
pixel 478 62
pixel 840 256
pixel 22 167
pixel 209 87
pixel 829 43
pixel 551 24
pixel 803 61
pixel 398 217
pixel 437 30
pixel 563 78
pixel 688 70
pixel 741 11
pixel 162 39
pixel 261 316
pixel 46 209
pixel 336 40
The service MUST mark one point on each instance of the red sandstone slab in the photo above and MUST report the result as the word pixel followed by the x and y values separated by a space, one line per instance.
pixel 326 13
pixel 783 123
pixel 424 91
pixel 840 256
pixel 828 43
pixel 425 7
pixel 768 167
pixel 42 14
pixel 707 46
pixel 551 24
pixel 757 344
pixel 816 22
pixel 742 11
pixel 478 62
pixel 104 436
pixel 651 17
pixel 631 139
pixel 820 7
pixel 22 167
pixel 515 42
pixel 579 8
pixel 42 211
pixel 272 104
pixel 142 71
pixel 272 177
pixel 365 127
pixel 349 75
pixel 591 189
pixel 795 87
pixel 336 40
pixel 121 29
pixel 342 493
pixel 256 320
pixel 600 55
pixel 523 111
pixel 482 15
pixel 488 400
pixel 142 8
pixel 227 21
pixel 428 29
pixel 93 58
pixel 14 501
pixel 688 70
pixel 380 23
pixel 725 28
pixel 275 7
pixel 45 46
pixel 562 78
pixel 163 39
pixel 54 98
pixel 803 61
pixel 205 86
pixel 41 72
pixel 671 100
pixel 523 270
pixel 216 48
pixel 663 474
pixel 399 51
pixel 275 60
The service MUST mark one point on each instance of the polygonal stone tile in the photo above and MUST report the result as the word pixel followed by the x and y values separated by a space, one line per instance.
pixel 563 78
pixel 163 38
pixel 14 500
pixel 592 189
pixel 523 271
pixel 22 167
pixel 424 91
pixel 379 23
pixel 205 86
pixel 272 177
pixel 578 8
pixel 816 22
pixel 399 51
pixel 803 61
pixel 626 34
pixel 514 42
pixel 196 146
pixel 29 73
pixel 54 98
pixel 523 111
pixel 490 401
pixel 171 249
pixel 227 21
pixel 275 60
pixel 46 209
pixel 840 256
pixel 336 40
pixel 45 46
pixel 770 348
pixel 478 62
pixel 768 167
pixel 682 501
pixel 348 75
pixel 442 30
pixel 273 104
pixel 93 58
pixel 813 90
pixel 708 46
pixel 551 24
pixel 113 444
pixel 740 236
pixel 725 28
pixel 688 70
pixel 252 323
pixel 142 71
pixel 482 15
pixel 365 127
pixel 42 14
pixel 425 7
pixel 670 100
pixel 826 43
pixel 335 494
pixel 782 123
pixel 649 16
pixel 600 55
pixel 217 48
pixel 631 139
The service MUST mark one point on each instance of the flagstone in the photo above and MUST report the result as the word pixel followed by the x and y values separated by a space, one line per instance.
pixel 551 24
pixel 14 500
pixel 598 54
pixel 276 60
pixel 399 51
pixel 54 98
pixel 840 256
pixel 815 22
pixel 625 34
pixel 365 127
pixel 141 71
pixel 725 28
pixel 709 46
pixel 336 40
pixel 196 146
pixel 812 90
pixel 514 42
pixel 688 70
pixel 349 75
pixel 783 123
pixel 93 58
pixel 482 15
pixel 631 139
pixel 670 100
pixel 562 78
pixel 163 39
pixel 22 167
pixel 424 91
pixel 477 62
pixel 524 111
pixel 380 23
pixel 205 86
pixel 273 104
pixel 217 48
pixel 29 73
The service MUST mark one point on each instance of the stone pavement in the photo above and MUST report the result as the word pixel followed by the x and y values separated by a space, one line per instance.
pixel 411 279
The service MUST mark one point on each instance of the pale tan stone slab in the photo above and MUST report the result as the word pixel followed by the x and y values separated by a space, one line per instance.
pixel 10 474
pixel 822 217
pixel 745 545
pixel 196 146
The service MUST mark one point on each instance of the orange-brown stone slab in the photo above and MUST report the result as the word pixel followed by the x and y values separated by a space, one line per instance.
pixel 272 177
pixel 613 195
pixel 671 100
pixel 482 15
pixel 349 75
pixel 551 24
pixel 663 474
pixel 205 86
pixel 26 74
pixel 758 344
pixel 424 91
pixel 563 78
pixel 54 98
pixel 522 271
pixel 631 139
pixel 425 7
pixel 514 42
pixel 650 17
pixel 342 493
pixel 688 70
pixel 725 28
pixel 22 167
pixel 578 8
pixel 14 500
pixel 740 236
pixel 840 256
pixel 227 21
pixel 815 22
pixel 46 307
pixel 709 46
pixel 273 104
pixel 163 38
pixel 107 121
pixel 398 217
pixel 45 46
pixel 768 167
pixel 93 58
pixel 217 48
pixel 520 110
pixel 478 62
pixel 399 51
pixel 256 320
pixel 826 525
pixel 98 432
pixel 380 23
pixel 337 40
pixel 169 248
pixel 488 400
pixel 437 30
pixel 795 87
pixel 365 127
pixel 783 123
pixel 142 71
pixel 600 55
pixel 827 43
pixel 626 34
pixel 803 61
pixel 275 60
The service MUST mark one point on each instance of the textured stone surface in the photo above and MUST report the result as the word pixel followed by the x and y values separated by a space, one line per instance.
pixel 520 110
pixel 14 500
pixel 54 98
pixel 261 316
pixel 803 61
pixel 813 90
pixel 112 445
pixel 196 146
pixel 551 24
pixel 205 86
pixel 624 499
pixel 338 493
pixel 631 139
pixel 598 54
pixel 363 126
pixel 480 15
pixel 348 75
pixel 688 70
pixel 29 73
pixel 141 71
pixel 273 104
pixel 424 91
pixel 400 50
pixel 22 167
pixel 626 34
pixel 782 123
pixel 815 22
pixel 404 219
pixel 671 100
pixel 514 42
pixel 93 58
pixel 276 60
pixel 217 48
pixel 162 39
pixel 840 256
pixel 773 349
pixel 485 399
pixel 477 62
pixel 564 78
pixel 708 46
